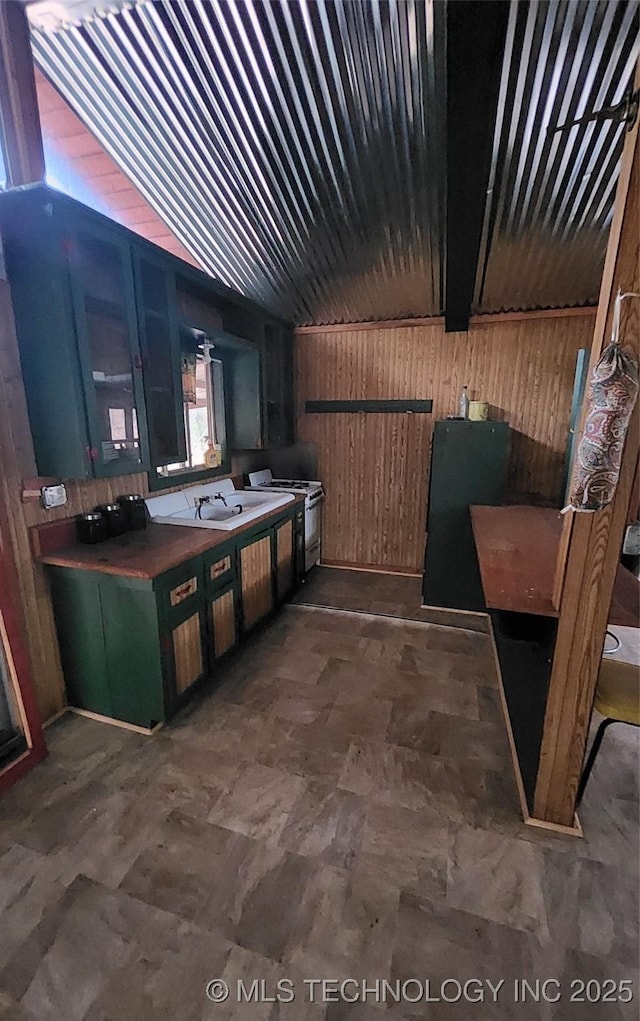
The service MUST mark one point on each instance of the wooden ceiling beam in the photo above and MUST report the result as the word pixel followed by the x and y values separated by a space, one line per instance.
pixel 19 116
pixel 476 38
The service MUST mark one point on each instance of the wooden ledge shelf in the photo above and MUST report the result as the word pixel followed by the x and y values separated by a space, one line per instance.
pixel 517 549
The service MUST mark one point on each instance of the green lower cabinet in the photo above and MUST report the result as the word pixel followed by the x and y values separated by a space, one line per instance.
pixel 109 635
pixel 78 614
pixel 133 650
pixel 133 654
pixel 180 603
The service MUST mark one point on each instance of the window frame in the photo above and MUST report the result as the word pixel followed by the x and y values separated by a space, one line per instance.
pixel 192 475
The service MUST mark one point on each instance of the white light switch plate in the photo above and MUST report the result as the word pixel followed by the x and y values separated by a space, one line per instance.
pixel 54 496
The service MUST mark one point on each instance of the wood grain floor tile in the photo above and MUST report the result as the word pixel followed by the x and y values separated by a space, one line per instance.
pixel 341 803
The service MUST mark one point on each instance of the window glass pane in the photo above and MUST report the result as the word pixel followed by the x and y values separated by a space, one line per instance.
pixel 204 418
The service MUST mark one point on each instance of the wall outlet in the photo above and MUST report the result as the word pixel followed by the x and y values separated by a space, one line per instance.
pixel 54 496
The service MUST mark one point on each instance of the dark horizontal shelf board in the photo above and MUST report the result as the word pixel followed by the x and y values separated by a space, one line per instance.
pixel 368 407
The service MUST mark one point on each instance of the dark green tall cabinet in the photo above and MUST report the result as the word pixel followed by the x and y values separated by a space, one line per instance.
pixel 468 466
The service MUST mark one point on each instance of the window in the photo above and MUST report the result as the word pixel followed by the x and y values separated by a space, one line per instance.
pixel 204 418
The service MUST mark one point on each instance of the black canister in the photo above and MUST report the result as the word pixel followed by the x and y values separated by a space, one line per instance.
pixel 91 528
pixel 116 518
pixel 136 510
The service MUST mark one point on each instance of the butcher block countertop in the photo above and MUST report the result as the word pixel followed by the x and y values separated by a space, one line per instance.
pixel 148 553
pixel 517 549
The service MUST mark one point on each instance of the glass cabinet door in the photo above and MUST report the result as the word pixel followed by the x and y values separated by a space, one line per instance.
pixel 161 367
pixel 102 284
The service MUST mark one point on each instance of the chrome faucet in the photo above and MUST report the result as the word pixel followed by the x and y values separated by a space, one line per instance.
pixel 219 496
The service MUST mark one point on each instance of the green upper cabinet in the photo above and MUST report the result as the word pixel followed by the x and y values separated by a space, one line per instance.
pixel 73 295
pixel 278 384
pixel 36 255
pixel 101 315
pixel 160 348
pixel 107 335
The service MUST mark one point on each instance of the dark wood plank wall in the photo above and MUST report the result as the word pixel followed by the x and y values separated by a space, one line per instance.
pixel 374 467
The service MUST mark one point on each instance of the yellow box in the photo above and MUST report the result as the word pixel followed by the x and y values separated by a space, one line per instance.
pixel 478 411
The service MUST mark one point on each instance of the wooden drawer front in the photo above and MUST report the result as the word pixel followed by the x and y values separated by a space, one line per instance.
pixel 181 592
pixel 257 600
pixel 284 546
pixel 223 618
pixel 187 652
pixel 218 570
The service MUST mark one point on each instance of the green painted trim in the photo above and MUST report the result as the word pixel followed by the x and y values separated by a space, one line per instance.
pixel 161 482
pixel 369 407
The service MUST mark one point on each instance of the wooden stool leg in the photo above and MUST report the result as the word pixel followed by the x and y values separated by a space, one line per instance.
pixel 595 748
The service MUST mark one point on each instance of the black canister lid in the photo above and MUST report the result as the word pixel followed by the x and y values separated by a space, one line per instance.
pixel 95 515
pixel 130 498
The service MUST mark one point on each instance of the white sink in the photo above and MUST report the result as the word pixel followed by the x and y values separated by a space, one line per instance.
pixel 227 508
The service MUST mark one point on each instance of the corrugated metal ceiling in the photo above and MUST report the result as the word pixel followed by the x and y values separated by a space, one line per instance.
pixel 551 195
pixel 295 149
pixel 298 149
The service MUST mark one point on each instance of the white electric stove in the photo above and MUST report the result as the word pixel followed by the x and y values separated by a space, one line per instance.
pixel 314 496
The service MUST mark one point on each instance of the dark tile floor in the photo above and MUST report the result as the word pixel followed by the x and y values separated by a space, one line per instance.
pixel 341 806
pixel 374 592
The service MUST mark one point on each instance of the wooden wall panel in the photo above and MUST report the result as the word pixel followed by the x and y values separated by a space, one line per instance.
pixel 79 165
pixel 374 467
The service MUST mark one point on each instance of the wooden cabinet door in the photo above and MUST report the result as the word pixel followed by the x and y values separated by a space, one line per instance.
pixel 256 580
pixel 187 648
pixel 222 621
pixel 284 559
pixel 182 607
pixel 106 321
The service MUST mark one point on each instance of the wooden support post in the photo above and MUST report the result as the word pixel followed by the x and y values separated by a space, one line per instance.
pixel 592 541
pixel 24 164
pixel 19 116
